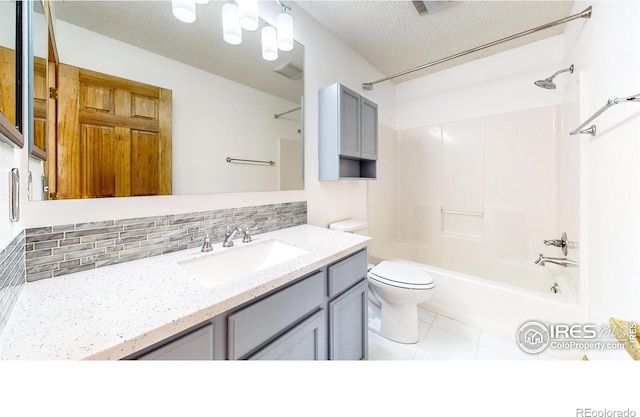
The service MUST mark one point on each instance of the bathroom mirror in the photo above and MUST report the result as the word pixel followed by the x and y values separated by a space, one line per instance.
pixel 11 73
pixel 38 48
pixel 227 101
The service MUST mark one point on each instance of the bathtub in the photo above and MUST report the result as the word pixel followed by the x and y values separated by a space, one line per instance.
pixel 494 295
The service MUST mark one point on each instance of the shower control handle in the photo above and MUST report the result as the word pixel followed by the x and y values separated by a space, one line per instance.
pixel 560 243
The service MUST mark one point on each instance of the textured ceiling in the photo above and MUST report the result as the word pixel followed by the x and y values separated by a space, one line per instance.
pixel 393 37
pixel 150 25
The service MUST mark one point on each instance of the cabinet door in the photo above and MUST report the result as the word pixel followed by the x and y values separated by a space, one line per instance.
pixel 369 129
pixel 197 345
pixel 348 325
pixel 349 123
pixel 306 341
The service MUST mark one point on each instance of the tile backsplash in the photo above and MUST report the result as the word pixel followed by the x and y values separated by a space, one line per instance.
pixel 12 269
pixel 59 250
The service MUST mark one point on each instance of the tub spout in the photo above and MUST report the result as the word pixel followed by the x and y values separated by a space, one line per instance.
pixel 542 260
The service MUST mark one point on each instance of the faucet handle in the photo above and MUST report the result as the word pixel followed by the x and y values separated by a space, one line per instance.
pixel 206 246
pixel 247 235
pixel 560 243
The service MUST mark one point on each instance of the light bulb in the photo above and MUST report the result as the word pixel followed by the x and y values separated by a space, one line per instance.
pixel 231 30
pixel 184 10
pixel 248 10
pixel 269 43
pixel 285 31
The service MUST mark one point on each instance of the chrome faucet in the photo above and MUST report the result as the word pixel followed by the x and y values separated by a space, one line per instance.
pixel 542 260
pixel 230 234
pixel 206 246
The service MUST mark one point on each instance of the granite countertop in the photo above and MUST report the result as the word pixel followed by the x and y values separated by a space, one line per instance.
pixel 114 311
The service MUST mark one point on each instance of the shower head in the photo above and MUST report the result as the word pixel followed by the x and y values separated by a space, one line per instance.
pixel 548 82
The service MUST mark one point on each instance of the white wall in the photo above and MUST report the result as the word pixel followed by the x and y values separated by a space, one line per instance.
pixel 12 158
pixel 606 50
pixel 497 84
pixel 327 60
pixel 7 24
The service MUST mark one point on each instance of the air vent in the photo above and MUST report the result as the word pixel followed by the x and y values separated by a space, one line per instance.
pixel 421 8
pixel 290 70
pixel 425 7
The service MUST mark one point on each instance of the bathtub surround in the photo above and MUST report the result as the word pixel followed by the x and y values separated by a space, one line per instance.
pixel 60 250
pixel 489 193
pixel 479 187
pixel 12 267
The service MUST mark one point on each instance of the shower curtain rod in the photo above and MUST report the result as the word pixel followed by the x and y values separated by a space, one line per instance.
pixel 585 14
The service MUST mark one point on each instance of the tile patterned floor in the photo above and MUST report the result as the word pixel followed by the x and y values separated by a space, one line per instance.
pixel 442 338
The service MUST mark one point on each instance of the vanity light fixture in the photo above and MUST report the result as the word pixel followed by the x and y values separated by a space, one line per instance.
pixel 231 29
pixel 284 23
pixel 248 10
pixel 243 14
pixel 184 10
pixel 269 43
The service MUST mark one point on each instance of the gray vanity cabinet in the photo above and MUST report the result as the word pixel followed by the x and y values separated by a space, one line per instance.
pixel 322 315
pixel 196 345
pixel 267 319
pixel 306 341
pixel 347 134
pixel 348 325
pixel 348 312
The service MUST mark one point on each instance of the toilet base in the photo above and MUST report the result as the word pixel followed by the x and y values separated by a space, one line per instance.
pixel 400 323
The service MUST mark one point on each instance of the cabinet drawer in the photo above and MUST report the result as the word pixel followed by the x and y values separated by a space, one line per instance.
pixel 256 324
pixel 197 345
pixel 347 272
pixel 306 341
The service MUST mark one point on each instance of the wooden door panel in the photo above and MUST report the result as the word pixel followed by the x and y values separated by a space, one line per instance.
pixel 40 93
pixel 97 158
pixel 144 107
pixel 145 163
pixel 96 98
pixel 7 83
pixel 68 136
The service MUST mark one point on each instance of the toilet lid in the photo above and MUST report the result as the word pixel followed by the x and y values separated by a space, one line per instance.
pixel 402 273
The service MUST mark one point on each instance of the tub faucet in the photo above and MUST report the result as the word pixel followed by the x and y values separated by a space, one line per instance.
pixel 542 260
pixel 229 235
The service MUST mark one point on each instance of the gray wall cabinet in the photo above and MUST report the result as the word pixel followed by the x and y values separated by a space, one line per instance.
pixel 347 134
pixel 322 315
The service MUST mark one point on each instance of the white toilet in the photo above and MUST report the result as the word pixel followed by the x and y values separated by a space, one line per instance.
pixel 396 289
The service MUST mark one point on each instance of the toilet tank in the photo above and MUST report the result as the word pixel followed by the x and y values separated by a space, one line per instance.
pixel 358 226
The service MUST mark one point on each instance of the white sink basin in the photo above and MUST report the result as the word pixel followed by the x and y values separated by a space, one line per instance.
pixel 218 268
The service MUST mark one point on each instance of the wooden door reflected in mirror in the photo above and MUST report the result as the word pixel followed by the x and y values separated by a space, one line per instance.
pixel 113 137
pixel 38 72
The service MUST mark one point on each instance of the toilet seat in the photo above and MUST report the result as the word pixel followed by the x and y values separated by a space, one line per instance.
pixel 401 274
